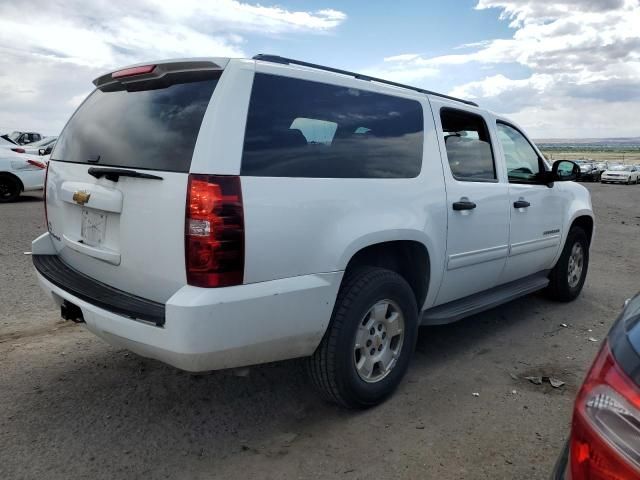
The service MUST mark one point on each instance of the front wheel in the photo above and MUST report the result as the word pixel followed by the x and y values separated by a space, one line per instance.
pixel 366 350
pixel 567 277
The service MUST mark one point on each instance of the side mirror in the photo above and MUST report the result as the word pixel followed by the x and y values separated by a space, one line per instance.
pixel 41 151
pixel 564 171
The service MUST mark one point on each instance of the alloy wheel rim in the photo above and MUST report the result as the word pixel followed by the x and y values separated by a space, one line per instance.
pixel 378 341
pixel 576 265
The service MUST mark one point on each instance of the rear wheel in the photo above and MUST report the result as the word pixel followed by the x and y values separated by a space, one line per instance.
pixel 9 188
pixel 567 277
pixel 367 348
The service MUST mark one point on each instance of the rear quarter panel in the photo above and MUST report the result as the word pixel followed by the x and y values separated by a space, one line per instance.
pixel 32 179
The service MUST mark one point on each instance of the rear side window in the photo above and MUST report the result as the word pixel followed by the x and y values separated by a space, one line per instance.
pixel 299 128
pixel 152 129
pixel 469 151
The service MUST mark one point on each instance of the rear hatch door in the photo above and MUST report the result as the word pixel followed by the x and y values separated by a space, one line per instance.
pixel 118 175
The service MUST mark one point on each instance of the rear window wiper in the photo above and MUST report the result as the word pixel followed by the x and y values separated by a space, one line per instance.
pixel 114 174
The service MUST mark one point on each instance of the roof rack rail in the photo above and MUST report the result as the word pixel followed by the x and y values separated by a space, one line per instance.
pixel 289 61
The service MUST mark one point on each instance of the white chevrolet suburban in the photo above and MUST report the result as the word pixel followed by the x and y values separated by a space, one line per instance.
pixel 218 213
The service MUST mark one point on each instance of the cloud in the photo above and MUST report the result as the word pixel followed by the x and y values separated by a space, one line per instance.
pixel 578 54
pixel 49 57
pixel 532 11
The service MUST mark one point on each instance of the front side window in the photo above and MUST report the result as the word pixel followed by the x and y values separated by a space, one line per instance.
pixel 300 128
pixel 523 163
pixel 468 144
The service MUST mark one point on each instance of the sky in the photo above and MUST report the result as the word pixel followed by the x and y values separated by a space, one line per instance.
pixel 561 69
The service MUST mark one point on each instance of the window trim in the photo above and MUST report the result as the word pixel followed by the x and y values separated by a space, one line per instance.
pixel 541 162
pixel 493 154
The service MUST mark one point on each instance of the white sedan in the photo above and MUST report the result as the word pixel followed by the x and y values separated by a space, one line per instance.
pixel 20 173
pixel 621 174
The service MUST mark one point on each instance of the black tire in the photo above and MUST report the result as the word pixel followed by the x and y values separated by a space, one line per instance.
pixel 332 367
pixel 9 188
pixel 559 287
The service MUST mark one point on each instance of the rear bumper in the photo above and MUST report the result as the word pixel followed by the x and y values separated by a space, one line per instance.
pixel 51 268
pixel 217 328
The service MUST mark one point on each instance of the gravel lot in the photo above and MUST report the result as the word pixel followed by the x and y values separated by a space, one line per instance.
pixel 74 407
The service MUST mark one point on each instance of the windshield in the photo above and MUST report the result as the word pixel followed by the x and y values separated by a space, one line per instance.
pixel 620 168
pixel 153 129
pixel 14 136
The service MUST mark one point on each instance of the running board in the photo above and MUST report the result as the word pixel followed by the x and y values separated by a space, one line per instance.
pixel 479 302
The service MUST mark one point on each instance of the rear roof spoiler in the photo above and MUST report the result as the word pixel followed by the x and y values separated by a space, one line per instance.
pixel 157 70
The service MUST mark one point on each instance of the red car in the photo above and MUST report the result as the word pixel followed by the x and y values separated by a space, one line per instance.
pixel 605 432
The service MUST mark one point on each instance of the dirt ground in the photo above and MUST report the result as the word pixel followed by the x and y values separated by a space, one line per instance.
pixel 74 407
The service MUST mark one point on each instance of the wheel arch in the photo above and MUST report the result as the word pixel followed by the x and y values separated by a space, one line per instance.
pixel 586 223
pixel 409 258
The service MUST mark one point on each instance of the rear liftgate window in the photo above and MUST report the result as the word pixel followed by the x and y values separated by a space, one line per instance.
pixel 153 126
pixel 298 128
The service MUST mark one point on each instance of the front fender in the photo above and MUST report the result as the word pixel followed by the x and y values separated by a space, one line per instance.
pixel 578 205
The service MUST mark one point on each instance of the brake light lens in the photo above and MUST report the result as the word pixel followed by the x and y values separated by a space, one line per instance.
pixel 36 163
pixel 18 150
pixel 214 231
pixel 133 71
pixel 605 433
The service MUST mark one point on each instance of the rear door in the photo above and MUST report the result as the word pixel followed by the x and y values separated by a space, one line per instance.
pixel 477 208
pixel 118 176
pixel 537 209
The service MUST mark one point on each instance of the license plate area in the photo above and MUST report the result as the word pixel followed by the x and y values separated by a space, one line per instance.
pixel 93 227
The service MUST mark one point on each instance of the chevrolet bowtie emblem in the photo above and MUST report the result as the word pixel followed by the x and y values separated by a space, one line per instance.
pixel 81 197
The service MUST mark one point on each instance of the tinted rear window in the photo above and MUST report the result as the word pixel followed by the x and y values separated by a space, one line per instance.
pixel 147 129
pixel 299 128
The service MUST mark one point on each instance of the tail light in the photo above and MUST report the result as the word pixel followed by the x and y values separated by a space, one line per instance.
pixel 18 150
pixel 214 231
pixel 605 434
pixel 36 163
